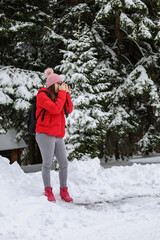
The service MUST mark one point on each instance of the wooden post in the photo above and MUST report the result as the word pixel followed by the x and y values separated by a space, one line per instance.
pixel 15 156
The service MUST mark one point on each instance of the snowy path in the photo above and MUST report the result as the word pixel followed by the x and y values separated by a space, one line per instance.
pixel 110 204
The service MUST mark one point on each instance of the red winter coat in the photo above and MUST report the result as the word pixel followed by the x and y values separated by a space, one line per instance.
pixel 54 120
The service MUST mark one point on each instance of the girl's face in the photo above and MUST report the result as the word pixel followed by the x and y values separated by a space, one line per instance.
pixel 57 84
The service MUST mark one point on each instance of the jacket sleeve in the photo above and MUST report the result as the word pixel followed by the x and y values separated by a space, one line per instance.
pixel 68 99
pixel 56 107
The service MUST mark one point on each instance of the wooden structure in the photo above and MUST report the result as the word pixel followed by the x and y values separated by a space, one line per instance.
pixel 10 147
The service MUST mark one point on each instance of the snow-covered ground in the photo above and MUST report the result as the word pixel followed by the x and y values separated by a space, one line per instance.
pixel 118 203
pixel 135 159
pixel 152 159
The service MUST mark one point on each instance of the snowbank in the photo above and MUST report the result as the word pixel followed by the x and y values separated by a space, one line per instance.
pixel 110 204
pixel 154 159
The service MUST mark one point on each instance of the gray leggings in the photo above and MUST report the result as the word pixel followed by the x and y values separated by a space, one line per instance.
pixel 50 146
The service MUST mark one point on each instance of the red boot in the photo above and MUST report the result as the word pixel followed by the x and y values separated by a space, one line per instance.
pixel 49 194
pixel 65 195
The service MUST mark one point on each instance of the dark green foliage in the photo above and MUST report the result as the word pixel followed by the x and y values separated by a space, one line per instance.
pixel 27 35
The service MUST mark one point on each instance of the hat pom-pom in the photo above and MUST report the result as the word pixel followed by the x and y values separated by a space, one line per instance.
pixel 48 71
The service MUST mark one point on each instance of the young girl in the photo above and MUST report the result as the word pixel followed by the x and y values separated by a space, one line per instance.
pixel 51 130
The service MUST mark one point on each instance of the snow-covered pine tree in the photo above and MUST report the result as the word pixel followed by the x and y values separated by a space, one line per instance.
pixel 138 116
pixel 108 75
pixel 116 27
pixel 27 34
pixel 18 88
pixel 28 41
pixel 106 79
pixel 130 30
pixel 77 66
pixel 130 25
pixel 79 61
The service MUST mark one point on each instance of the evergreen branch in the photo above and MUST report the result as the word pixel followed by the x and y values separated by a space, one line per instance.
pixel 140 49
pixel 127 59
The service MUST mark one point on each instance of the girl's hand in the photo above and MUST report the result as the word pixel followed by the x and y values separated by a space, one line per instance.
pixel 62 87
pixel 67 88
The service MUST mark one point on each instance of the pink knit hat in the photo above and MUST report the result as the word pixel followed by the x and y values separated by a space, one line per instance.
pixel 52 77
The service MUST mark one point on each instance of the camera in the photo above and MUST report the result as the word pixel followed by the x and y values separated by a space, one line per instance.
pixel 71 85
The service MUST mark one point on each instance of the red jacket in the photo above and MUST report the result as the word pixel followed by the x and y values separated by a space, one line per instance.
pixel 54 120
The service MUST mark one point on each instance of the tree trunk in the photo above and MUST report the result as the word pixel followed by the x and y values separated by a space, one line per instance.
pixel 116 150
pixel 117 33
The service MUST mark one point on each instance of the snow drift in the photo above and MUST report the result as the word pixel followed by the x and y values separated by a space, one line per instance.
pixel 111 204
